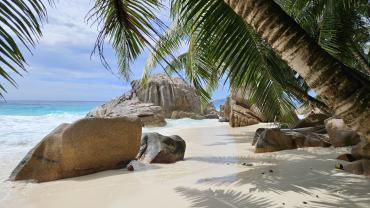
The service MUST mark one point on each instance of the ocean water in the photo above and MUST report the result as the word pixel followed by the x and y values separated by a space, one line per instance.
pixel 25 123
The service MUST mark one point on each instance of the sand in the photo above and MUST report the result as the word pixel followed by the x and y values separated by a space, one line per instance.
pixel 212 175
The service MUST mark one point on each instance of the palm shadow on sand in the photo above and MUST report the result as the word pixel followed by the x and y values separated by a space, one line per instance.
pixel 222 198
pixel 279 176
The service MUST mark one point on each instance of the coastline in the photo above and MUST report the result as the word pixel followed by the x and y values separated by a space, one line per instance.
pixel 215 173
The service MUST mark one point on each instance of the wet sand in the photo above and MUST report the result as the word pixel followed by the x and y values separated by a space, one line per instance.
pixel 215 173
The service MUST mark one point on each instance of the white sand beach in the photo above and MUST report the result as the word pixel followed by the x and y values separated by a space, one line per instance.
pixel 215 173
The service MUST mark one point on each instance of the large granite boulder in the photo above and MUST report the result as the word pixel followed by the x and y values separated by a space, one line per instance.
pixel 210 111
pixel 238 111
pixel 183 114
pixel 361 150
pixel 360 167
pixel 152 103
pixel 241 116
pixel 156 148
pixel 340 134
pixel 312 119
pixel 272 140
pixel 128 105
pixel 172 94
pixel 83 147
pixel 226 110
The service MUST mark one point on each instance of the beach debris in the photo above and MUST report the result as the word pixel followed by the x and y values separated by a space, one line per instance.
pixel 247 164
pixel 223 120
pixel 156 148
pixel 339 166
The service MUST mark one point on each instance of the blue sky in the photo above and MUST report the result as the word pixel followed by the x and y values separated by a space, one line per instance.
pixel 61 67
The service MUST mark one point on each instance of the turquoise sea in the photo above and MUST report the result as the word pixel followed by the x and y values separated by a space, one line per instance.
pixel 25 123
pixel 39 108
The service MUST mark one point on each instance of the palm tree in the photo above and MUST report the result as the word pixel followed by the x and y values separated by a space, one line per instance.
pixel 341 27
pixel 127 24
pixel 342 89
pixel 272 85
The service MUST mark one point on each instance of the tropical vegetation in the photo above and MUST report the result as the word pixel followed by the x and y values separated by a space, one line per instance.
pixel 276 51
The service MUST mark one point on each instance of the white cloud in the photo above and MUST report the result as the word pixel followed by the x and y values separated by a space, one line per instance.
pixel 61 68
pixel 67 24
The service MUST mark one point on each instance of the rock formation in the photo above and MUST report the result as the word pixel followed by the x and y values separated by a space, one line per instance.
pixel 238 113
pixel 361 150
pixel 272 140
pixel 129 105
pixel 360 167
pixel 83 147
pixel 156 148
pixel 172 94
pixel 340 134
pixel 153 103
pixel 210 112
pixel 312 119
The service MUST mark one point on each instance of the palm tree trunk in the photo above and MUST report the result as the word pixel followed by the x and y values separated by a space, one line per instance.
pixel 313 102
pixel 357 54
pixel 347 94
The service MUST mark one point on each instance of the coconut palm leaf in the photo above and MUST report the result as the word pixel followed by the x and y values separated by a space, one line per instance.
pixel 221 44
pixel 20 26
pixel 341 27
pixel 128 25
pixel 165 47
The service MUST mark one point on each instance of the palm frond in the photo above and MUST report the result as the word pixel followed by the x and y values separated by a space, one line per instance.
pixel 341 27
pixel 21 23
pixel 232 49
pixel 129 25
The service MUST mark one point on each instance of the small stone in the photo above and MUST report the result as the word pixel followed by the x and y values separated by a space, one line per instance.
pixel 263 173
pixel 283 203
pixel 305 202
pixel 339 166
pixel 244 164
pixel 227 163
pixel 130 168
pixel 317 196
pixel 249 164
pixel 271 171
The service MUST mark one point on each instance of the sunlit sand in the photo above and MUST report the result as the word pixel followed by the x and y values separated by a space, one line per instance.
pixel 220 170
